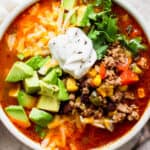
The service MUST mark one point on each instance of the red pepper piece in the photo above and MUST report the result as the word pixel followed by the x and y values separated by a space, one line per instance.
pixel 128 77
pixel 102 71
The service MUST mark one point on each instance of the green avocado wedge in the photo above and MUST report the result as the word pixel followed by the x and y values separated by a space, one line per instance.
pixel 48 103
pixel 19 72
pixel 40 117
pixel 32 84
pixel 62 94
pixel 26 100
pixel 48 89
pixel 51 77
pixel 35 62
pixel 18 116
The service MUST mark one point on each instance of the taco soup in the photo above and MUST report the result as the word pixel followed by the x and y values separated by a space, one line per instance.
pixel 74 73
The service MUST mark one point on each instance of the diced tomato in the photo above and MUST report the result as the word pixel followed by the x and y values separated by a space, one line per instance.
pixel 141 92
pixel 135 33
pixel 128 77
pixel 102 71
pixel 143 63
pixel 123 67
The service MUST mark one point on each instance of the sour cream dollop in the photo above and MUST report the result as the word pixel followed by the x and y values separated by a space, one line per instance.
pixel 74 52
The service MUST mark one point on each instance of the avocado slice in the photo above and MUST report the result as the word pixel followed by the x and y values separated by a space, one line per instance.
pixel 40 117
pixel 68 4
pixel 83 15
pixel 48 103
pixel 48 89
pixel 35 62
pixel 32 84
pixel 62 94
pixel 19 72
pixel 45 66
pixel 18 116
pixel 26 100
pixel 51 77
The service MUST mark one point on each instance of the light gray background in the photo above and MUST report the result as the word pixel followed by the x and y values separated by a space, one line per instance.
pixel 8 142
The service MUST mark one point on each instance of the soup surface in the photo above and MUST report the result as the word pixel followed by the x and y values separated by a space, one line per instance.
pixel 89 110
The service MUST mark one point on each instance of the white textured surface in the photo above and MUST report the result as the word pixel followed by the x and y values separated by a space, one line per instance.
pixel 8 142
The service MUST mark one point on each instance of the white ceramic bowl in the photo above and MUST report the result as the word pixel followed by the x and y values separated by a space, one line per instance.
pixel 117 144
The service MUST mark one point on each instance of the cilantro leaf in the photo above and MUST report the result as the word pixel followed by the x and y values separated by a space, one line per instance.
pixel 112 27
pixel 94 16
pixel 107 29
pixel 98 2
pixel 100 47
pixel 93 34
pixel 106 4
pixel 134 45
pixel 101 51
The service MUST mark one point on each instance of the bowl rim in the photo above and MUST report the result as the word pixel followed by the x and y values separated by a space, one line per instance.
pixel 113 145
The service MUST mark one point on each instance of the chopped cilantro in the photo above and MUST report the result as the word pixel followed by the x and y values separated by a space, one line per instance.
pixel 40 131
pixel 101 51
pixel 134 45
pixel 106 4
pixel 104 29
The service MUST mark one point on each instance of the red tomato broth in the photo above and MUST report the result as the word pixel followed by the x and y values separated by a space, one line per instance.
pixel 91 136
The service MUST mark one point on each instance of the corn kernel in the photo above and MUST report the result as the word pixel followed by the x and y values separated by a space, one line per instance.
pixel 45 40
pixel 92 73
pixel 110 90
pixel 71 85
pixel 108 124
pixel 141 92
pixel 111 113
pixel 96 81
pixel 27 52
pixel 105 90
pixel 101 91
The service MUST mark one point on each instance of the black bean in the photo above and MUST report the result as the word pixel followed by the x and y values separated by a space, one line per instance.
pixel 85 98
pixel 111 106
